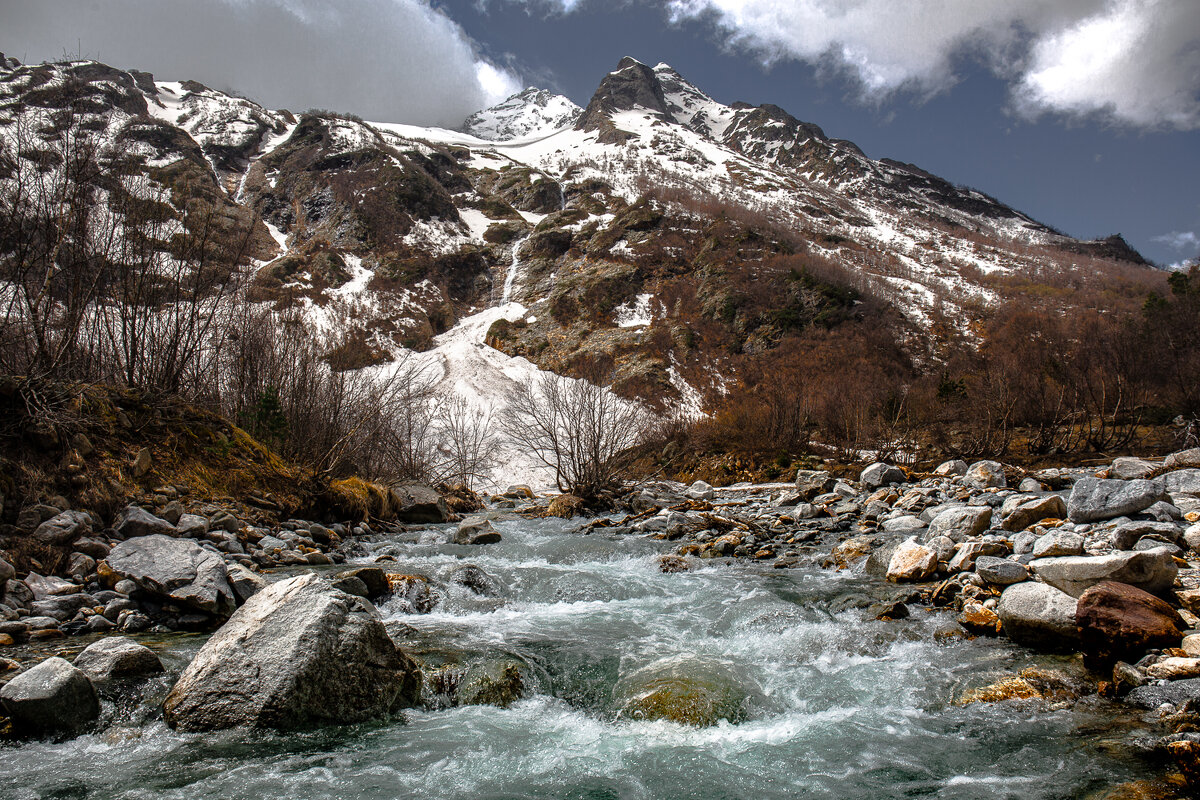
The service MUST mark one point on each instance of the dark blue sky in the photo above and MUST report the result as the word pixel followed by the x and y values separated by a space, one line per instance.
pixel 1085 177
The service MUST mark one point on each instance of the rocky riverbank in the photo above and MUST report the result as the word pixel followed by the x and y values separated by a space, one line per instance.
pixel 1097 563
pixel 1102 563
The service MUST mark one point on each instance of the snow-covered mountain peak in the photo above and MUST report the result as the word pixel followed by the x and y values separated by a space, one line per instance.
pixel 528 113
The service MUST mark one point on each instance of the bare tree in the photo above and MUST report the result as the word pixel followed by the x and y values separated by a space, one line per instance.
pixel 580 430
pixel 467 441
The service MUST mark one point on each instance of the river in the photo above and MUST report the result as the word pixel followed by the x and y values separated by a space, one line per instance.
pixel 833 704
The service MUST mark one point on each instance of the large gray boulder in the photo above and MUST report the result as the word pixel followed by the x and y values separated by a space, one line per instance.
pixel 135 521
pixel 881 474
pixel 178 569
pixel 51 697
pixel 117 657
pixel 985 475
pixel 419 503
pixel 1095 499
pixel 1152 571
pixel 298 653
pixel 1038 615
pixel 1183 482
pixel 1174 692
pixel 1033 510
pixel 960 524
pixel 63 528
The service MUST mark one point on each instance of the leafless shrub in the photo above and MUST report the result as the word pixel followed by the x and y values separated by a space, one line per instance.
pixel 577 428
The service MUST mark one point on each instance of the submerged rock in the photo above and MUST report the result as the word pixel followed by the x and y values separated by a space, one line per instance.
pixel 493 684
pixel 299 653
pixel 52 697
pixel 684 689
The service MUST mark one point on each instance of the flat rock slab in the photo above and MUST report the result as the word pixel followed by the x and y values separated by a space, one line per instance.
pixel 1095 499
pixel 1152 571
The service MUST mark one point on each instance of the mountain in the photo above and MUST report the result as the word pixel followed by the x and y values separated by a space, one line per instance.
pixel 656 234
pixel 532 112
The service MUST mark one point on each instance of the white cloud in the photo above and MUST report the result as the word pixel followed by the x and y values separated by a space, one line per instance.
pixel 389 60
pixel 1137 62
pixel 1179 240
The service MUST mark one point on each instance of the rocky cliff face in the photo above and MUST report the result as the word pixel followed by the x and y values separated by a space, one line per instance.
pixel 654 233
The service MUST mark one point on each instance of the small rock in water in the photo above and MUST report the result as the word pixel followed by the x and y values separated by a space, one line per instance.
pixel 700 491
pixel 978 618
pixel 1010 688
pixel 414 593
pixel 476 530
pixel 51 697
pixel 673 563
pixel 117 657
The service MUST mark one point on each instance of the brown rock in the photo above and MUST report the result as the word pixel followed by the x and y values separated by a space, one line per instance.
pixel 1121 622
pixel 142 463
pixel 1174 669
pixel 415 591
pixel 1187 757
pixel 1010 688
pixel 979 619
pixel 911 562
pixel 670 563
pixel 565 506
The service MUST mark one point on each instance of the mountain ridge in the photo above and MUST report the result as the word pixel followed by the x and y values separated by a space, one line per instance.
pixel 656 205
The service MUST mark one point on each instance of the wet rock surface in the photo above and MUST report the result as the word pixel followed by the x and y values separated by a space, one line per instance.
pixel 298 653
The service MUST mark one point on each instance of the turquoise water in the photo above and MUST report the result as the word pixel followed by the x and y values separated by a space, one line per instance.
pixel 834 704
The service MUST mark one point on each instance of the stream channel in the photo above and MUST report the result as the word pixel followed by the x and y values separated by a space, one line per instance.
pixel 827 701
